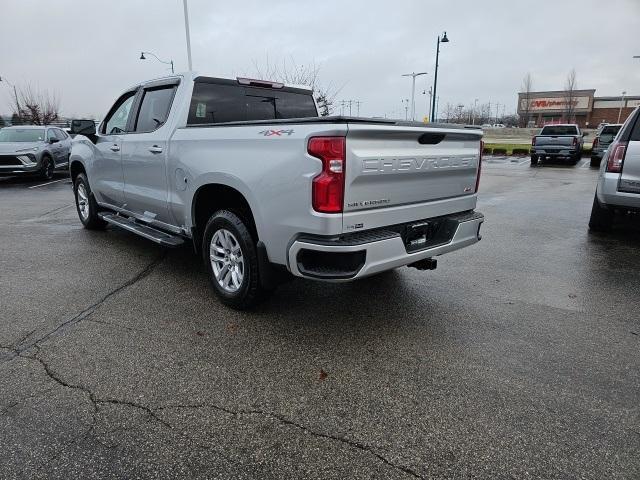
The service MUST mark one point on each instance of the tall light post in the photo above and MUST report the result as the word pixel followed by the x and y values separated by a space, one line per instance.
pixel 434 112
pixel 15 93
pixel 413 91
pixel 475 107
pixel 430 92
pixel 405 102
pixel 621 105
pixel 170 62
pixel 186 32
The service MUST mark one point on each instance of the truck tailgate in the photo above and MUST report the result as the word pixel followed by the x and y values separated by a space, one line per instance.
pixel 396 174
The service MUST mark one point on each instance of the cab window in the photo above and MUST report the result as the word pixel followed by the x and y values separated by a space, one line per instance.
pixel 154 109
pixel 116 121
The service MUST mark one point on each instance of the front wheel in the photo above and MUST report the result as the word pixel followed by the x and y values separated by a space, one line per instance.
pixel 46 172
pixel 601 217
pixel 231 259
pixel 86 204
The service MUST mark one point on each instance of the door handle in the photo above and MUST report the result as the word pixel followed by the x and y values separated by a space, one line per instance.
pixel 115 148
pixel 155 149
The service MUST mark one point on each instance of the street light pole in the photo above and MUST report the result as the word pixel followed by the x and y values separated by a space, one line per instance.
pixel 475 106
pixel 621 104
pixel 413 91
pixel 15 93
pixel 186 31
pixel 434 112
pixel 170 62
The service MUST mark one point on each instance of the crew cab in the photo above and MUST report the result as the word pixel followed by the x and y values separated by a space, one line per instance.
pixel 556 141
pixel 264 188
pixel 618 188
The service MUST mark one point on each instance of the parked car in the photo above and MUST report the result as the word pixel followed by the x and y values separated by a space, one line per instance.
pixel 33 149
pixel 618 189
pixel 602 141
pixel 265 188
pixel 557 141
pixel 499 125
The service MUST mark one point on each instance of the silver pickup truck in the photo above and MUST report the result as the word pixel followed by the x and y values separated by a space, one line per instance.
pixel 556 141
pixel 264 188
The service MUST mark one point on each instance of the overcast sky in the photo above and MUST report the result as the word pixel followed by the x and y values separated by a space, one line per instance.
pixel 87 52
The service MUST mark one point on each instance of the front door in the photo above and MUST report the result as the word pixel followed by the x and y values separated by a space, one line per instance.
pixel 106 179
pixel 144 155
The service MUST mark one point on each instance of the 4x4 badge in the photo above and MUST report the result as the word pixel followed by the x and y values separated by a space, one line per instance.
pixel 277 133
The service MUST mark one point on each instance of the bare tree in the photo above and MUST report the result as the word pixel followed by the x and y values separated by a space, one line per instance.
pixel 527 87
pixel 298 74
pixel 36 107
pixel 570 101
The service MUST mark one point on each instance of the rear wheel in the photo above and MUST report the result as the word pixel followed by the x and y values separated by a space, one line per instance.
pixel 601 217
pixel 231 259
pixel 86 204
pixel 534 160
pixel 595 161
pixel 46 172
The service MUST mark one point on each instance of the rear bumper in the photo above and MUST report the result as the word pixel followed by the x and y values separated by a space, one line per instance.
pixel 609 195
pixel 354 256
pixel 554 152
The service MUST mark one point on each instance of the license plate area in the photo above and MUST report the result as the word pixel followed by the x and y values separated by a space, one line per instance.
pixel 417 235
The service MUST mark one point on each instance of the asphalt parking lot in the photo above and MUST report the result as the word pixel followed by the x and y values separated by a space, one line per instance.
pixel 517 358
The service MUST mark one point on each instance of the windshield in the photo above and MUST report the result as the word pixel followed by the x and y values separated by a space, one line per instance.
pixel 559 130
pixel 610 130
pixel 22 135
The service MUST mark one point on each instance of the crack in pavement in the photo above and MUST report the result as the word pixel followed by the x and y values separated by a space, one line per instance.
pixel 20 346
pixel 352 443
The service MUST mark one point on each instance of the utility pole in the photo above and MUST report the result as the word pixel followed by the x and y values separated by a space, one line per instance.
pixel 358 102
pixel 405 102
pixel 186 31
pixel 413 76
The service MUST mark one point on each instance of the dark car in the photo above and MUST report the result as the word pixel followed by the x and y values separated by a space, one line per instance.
pixel 602 142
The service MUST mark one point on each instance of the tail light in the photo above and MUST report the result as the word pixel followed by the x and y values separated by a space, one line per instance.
pixel 616 157
pixel 533 142
pixel 479 165
pixel 575 142
pixel 328 186
pixel 595 143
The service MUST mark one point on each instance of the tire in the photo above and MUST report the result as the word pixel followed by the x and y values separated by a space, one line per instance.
pixel 595 162
pixel 86 205
pixel 576 158
pixel 601 217
pixel 231 259
pixel 48 166
pixel 534 160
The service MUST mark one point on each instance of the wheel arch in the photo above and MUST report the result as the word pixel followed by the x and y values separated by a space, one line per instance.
pixel 212 196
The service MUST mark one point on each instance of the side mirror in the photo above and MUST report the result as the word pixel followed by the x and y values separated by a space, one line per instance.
pixel 584 134
pixel 83 127
pixel 53 140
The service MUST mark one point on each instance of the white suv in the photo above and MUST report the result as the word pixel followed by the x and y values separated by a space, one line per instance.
pixel 618 187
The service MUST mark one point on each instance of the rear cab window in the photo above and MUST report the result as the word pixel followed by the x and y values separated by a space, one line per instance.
pixel 221 101
pixel 559 130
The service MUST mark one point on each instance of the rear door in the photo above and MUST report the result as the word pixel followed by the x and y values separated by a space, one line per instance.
pixel 144 154
pixel 630 177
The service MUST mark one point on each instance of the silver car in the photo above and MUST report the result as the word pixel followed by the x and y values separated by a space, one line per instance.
pixel 618 189
pixel 33 149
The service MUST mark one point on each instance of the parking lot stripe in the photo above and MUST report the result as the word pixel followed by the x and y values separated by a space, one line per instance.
pixel 48 183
